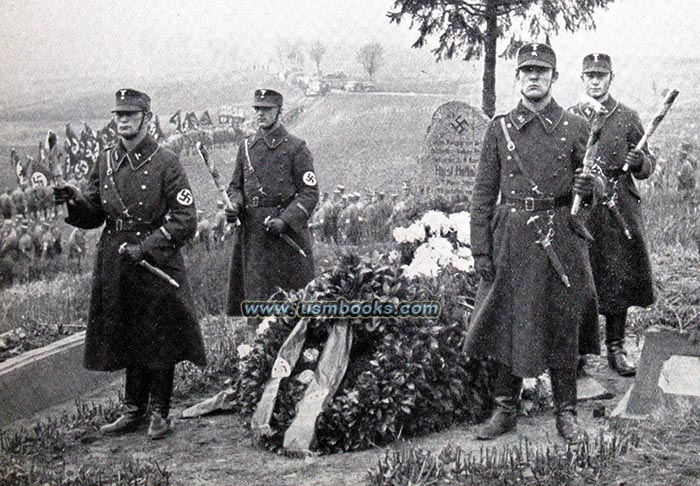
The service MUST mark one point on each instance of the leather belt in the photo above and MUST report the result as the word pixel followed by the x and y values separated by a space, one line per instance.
pixel 128 225
pixel 532 204
pixel 257 202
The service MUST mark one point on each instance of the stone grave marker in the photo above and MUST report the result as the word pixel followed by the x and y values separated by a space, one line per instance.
pixel 451 149
pixel 668 374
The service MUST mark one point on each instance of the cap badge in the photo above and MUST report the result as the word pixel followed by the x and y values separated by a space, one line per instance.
pixel 534 49
pixel 262 93
pixel 122 93
pixel 595 57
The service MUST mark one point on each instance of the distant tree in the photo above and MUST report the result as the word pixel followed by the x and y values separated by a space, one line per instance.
pixel 471 28
pixel 316 52
pixel 290 53
pixel 371 56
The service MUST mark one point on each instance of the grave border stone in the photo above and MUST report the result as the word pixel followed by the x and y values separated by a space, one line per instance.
pixel 47 376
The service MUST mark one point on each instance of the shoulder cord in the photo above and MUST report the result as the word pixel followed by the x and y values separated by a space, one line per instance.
pixel 518 160
pixel 110 175
pixel 253 175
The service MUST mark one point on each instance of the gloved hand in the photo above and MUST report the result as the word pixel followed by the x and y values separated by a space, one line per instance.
pixel 131 252
pixel 232 213
pixel 484 267
pixel 583 183
pixel 65 193
pixel 276 226
pixel 634 159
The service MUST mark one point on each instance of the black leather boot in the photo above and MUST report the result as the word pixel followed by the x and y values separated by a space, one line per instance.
pixel 135 406
pixel 564 391
pixel 161 392
pixel 506 396
pixel 581 367
pixel 615 340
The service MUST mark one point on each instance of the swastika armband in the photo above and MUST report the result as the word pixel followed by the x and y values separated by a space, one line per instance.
pixel 184 197
pixel 309 178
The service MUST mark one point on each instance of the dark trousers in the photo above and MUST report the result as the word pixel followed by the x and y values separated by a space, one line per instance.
pixel 615 329
pixel 507 387
pixel 144 385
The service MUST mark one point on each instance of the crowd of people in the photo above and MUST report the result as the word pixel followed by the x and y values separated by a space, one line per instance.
pixel 31 228
pixel 352 219
pixel 542 273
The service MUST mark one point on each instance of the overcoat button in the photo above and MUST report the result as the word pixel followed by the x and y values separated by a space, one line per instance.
pixel 143 187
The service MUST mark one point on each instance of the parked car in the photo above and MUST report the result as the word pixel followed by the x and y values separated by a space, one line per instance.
pixel 352 85
pixel 367 86
pixel 336 80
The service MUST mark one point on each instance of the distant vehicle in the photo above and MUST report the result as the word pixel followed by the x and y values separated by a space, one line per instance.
pixel 367 86
pixel 336 80
pixel 352 85
pixel 314 88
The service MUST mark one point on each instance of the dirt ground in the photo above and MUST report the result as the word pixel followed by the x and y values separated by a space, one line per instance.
pixel 219 449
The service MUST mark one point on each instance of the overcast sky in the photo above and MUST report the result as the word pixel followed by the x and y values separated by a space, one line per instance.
pixel 64 39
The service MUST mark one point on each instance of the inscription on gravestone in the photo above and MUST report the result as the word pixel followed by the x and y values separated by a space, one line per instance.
pixel 451 149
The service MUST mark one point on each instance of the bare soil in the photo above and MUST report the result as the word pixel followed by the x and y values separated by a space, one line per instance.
pixel 219 449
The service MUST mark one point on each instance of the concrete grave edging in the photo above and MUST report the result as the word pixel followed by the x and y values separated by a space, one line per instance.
pixel 46 376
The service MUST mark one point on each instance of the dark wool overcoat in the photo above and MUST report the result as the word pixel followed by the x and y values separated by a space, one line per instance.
pixel 273 177
pixel 526 318
pixel 135 317
pixel 621 266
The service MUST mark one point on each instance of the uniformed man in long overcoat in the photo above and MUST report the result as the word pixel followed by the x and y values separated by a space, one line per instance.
pixel 137 320
pixel 274 192
pixel 536 288
pixel 619 256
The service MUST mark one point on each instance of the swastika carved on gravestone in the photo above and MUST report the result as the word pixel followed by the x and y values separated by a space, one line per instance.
pixel 460 124
pixel 451 150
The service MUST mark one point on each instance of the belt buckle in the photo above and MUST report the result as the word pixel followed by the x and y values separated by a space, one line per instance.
pixel 119 224
pixel 256 201
pixel 529 204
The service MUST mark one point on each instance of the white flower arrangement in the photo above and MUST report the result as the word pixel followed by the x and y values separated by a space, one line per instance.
pixel 244 350
pixel 443 241
pixel 265 325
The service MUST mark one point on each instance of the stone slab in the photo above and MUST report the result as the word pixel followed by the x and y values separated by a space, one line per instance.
pixel 46 376
pixel 666 363
pixel 451 149
pixel 588 388
pixel 621 414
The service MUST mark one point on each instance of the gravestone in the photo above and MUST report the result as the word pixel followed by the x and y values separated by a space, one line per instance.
pixel 668 374
pixel 451 150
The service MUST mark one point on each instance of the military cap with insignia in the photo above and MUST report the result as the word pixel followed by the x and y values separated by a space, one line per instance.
pixel 535 54
pixel 131 100
pixel 597 63
pixel 267 98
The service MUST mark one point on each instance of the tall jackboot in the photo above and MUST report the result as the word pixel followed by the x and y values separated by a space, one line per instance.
pixel 615 341
pixel 564 391
pixel 135 406
pixel 506 392
pixel 161 392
